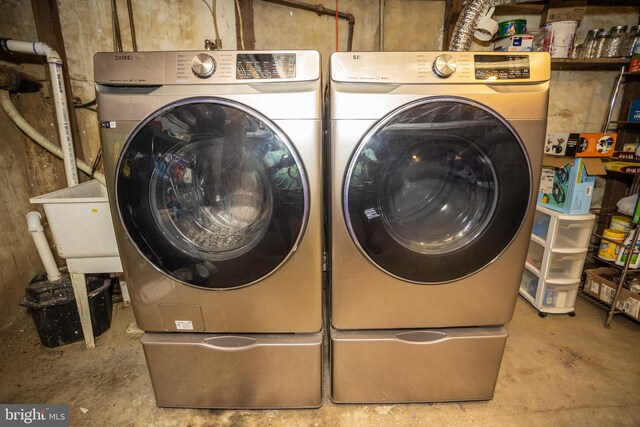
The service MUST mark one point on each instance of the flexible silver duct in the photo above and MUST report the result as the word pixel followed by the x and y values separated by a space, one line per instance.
pixel 468 21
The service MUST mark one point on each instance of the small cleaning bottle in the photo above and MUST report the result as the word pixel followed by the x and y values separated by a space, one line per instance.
pixel 624 253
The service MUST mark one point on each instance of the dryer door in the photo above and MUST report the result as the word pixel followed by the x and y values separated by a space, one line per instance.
pixel 437 190
pixel 211 193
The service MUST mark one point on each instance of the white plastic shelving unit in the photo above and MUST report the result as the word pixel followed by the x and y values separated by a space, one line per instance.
pixel 557 249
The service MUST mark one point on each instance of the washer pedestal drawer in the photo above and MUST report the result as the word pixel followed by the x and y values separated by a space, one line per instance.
pixel 235 371
pixel 401 366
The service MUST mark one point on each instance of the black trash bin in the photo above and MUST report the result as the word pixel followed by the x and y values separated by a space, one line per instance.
pixel 53 308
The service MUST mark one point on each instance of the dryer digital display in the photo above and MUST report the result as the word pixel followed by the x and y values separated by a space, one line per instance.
pixel 265 66
pixel 501 67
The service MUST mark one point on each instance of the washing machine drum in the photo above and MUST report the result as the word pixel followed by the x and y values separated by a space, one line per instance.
pixel 437 190
pixel 211 193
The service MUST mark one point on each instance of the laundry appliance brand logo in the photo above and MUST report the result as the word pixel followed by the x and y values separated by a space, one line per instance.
pixel 34 415
pixel 362 57
pixel 127 56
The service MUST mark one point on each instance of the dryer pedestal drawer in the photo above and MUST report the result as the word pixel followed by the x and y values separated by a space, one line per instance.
pixel 235 371
pixel 401 366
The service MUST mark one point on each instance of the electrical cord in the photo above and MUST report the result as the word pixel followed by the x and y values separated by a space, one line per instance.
pixel 117 38
pixel 240 25
pixel 212 9
pixel 86 105
pixel 337 16
pixel 96 162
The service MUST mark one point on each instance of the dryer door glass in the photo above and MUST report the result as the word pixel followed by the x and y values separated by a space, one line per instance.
pixel 212 193
pixel 437 190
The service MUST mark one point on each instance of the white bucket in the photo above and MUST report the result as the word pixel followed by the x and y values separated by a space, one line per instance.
pixel 559 38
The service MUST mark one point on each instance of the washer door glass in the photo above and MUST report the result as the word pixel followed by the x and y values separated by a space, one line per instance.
pixel 437 190
pixel 211 193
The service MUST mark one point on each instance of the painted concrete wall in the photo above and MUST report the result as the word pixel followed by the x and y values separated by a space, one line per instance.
pixel 26 171
pixel 408 25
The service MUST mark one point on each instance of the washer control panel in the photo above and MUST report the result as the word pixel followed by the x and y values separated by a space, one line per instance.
pixel 206 67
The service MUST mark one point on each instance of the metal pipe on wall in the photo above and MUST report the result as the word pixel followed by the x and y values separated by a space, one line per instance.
pixel 320 10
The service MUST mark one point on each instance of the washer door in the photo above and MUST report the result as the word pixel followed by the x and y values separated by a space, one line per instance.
pixel 437 190
pixel 211 193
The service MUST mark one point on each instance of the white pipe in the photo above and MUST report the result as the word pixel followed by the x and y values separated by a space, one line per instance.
pixel 10 109
pixel 37 232
pixel 59 100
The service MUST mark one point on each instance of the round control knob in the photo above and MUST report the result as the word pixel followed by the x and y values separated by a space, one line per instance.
pixel 444 66
pixel 203 65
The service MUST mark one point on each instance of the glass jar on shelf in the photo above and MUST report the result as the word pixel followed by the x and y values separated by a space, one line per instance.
pixel 601 42
pixel 615 43
pixel 589 44
pixel 575 53
pixel 634 35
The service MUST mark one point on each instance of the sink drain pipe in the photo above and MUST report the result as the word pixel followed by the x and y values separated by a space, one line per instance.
pixel 42 245
pixel 14 115
pixel 59 98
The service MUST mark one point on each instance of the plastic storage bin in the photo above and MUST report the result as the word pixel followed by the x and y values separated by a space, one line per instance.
pixel 535 254
pixel 529 283
pixel 556 254
pixel 567 232
pixel 565 265
pixel 560 296
pixel 54 311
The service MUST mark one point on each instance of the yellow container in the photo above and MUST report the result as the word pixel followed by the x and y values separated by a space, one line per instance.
pixel 620 222
pixel 609 248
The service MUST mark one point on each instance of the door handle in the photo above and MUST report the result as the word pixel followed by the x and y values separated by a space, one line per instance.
pixel 421 337
pixel 230 342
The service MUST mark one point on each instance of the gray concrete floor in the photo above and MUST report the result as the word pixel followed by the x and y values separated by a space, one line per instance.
pixel 556 371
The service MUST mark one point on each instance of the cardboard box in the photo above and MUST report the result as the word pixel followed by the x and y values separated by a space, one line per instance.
pixel 618 166
pixel 634 111
pixel 517 43
pixel 581 144
pixel 563 10
pixel 599 285
pixel 566 184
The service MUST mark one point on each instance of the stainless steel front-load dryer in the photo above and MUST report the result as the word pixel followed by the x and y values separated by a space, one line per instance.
pixel 435 160
pixel 213 162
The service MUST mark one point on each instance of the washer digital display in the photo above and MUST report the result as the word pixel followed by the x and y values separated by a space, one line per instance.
pixel 265 66
pixel 501 67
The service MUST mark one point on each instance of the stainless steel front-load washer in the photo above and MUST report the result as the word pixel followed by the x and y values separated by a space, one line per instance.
pixel 213 161
pixel 434 164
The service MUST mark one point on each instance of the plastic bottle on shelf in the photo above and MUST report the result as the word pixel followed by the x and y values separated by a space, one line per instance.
pixel 624 253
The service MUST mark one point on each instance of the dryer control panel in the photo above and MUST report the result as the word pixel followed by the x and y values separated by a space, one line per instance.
pixel 440 67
